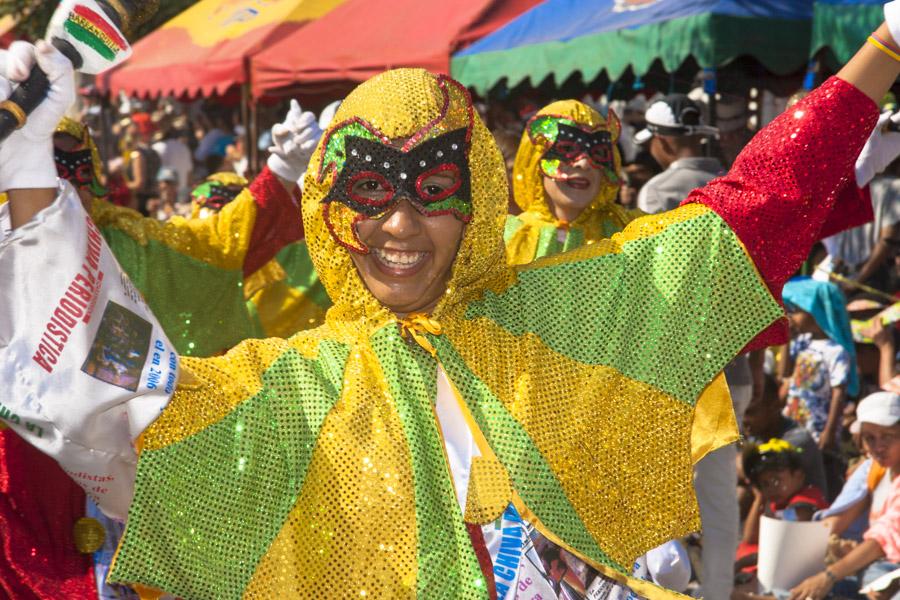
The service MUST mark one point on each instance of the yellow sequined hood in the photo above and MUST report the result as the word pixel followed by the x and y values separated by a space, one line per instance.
pixel 199 195
pixel 400 103
pixel 528 234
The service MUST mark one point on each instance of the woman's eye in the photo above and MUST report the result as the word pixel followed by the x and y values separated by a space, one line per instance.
pixel 433 190
pixel 368 186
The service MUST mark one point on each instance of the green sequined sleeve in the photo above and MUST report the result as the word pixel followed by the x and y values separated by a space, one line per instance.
pixel 193 285
pixel 668 302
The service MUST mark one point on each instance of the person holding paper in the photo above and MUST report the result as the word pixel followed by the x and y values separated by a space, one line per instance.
pixel 879 552
pixel 193 272
pixel 780 490
pixel 445 389
pixel 56 544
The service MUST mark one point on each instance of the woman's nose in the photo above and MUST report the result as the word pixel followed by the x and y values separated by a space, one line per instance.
pixel 403 221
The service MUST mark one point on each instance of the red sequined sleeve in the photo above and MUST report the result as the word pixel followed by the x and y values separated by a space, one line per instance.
pixel 794 182
pixel 278 221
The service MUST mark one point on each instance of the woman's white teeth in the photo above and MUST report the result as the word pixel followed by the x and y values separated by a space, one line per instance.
pixel 398 258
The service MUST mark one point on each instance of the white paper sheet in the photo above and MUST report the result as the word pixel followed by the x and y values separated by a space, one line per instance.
pixel 789 552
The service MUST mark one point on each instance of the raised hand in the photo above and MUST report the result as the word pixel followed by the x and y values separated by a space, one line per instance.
pixel 26 156
pixel 294 142
pixel 880 150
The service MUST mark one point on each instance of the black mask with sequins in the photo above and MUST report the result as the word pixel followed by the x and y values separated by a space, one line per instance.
pixel 403 174
pixel 75 167
pixel 573 143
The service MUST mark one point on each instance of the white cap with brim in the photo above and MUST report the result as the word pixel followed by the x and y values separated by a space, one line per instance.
pixel 880 408
pixel 666 117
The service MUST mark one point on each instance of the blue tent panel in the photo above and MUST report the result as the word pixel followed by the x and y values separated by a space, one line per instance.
pixel 562 20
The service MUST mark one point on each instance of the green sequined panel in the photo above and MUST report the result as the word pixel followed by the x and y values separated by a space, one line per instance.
pixel 301 274
pixel 447 566
pixel 688 295
pixel 200 307
pixel 208 507
pixel 533 478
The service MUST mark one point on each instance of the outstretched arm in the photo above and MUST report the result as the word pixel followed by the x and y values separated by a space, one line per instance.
pixel 872 71
pixel 86 366
pixel 780 196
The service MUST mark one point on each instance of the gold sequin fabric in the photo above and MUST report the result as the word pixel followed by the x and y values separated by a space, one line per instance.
pixel 220 240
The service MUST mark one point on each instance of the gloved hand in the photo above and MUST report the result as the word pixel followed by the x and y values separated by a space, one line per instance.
pixel 26 156
pixel 294 143
pixel 892 18
pixel 880 150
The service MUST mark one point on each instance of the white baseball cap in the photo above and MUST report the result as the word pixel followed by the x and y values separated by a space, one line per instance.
pixel 880 408
pixel 674 115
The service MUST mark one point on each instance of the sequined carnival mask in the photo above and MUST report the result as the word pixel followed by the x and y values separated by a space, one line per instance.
pixel 214 195
pixel 567 142
pixel 357 152
pixel 76 167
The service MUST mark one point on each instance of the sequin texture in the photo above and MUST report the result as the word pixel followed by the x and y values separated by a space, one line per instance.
pixel 286 462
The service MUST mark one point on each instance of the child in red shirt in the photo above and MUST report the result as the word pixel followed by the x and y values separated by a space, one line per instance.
pixel 780 491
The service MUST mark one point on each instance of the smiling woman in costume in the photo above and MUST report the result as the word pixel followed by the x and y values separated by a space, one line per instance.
pixel 376 455
pixel 566 177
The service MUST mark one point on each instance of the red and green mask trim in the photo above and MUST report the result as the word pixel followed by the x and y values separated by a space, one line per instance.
pixel 214 195
pixel 78 169
pixel 568 141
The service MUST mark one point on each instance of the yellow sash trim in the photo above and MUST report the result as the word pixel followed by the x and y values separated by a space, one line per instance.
pixel 283 311
pixel 714 423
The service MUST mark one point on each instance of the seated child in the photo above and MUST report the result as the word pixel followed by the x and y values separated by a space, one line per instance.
pixel 780 491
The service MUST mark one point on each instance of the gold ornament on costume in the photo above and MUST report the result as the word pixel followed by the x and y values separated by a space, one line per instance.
pixel 490 490
pixel 89 535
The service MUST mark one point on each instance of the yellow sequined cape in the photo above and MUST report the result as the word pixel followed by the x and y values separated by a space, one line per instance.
pixel 190 271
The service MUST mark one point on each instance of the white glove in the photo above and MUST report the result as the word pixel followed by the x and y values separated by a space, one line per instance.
pixel 294 142
pixel 880 150
pixel 26 156
pixel 327 114
pixel 892 18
